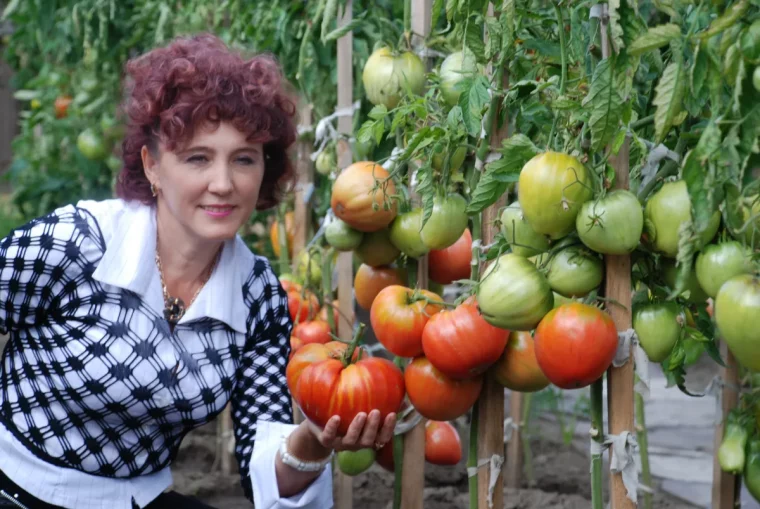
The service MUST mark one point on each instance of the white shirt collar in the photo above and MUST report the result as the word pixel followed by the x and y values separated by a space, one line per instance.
pixel 129 263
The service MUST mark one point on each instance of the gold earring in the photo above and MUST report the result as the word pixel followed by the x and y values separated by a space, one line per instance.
pixel 153 189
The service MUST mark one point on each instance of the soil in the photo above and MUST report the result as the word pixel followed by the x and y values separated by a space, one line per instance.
pixel 561 476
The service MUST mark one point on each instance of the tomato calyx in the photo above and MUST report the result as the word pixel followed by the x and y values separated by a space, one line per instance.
pixel 416 296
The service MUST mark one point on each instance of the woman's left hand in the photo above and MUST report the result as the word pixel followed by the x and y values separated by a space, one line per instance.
pixel 365 431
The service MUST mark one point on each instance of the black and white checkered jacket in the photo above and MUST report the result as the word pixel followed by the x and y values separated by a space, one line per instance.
pixel 96 392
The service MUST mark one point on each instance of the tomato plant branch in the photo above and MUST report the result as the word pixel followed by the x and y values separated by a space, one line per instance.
pixel 282 237
pixel 398 469
pixel 354 343
pixel 642 122
pixel 472 457
pixel 563 56
pixel 327 272
pixel 641 438
pixel 597 435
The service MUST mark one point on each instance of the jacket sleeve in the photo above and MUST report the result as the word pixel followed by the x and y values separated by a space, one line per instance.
pixel 42 262
pixel 262 413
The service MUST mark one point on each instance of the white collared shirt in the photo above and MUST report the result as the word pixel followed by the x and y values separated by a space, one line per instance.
pixel 96 392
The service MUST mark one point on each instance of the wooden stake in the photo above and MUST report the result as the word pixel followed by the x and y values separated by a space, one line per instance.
pixel 618 289
pixel 413 480
pixel 342 493
pixel 724 489
pixel 491 401
pixel 302 212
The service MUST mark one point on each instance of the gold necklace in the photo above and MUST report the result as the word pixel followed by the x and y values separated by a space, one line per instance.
pixel 174 307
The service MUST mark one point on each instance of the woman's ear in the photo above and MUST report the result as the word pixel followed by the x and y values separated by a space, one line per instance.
pixel 150 164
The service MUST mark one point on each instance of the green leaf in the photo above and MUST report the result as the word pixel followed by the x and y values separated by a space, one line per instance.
pixel 668 98
pixel 493 41
pixel 515 152
pixel 436 12
pixel 565 103
pixel 455 119
pixel 728 19
pixel 546 49
pixel 616 30
pixel 699 70
pixel 10 8
pixel 340 32
pixel 711 347
pixel 741 73
pixel 426 191
pixel 695 175
pixel 367 132
pixel 606 105
pixel 473 100
pixel 26 95
pixel 619 140
pixel 655 37
pixel 330 15
pixel 377 112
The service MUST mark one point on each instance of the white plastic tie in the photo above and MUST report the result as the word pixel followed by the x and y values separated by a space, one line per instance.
pixel 625 338
pixel 493 156
pixel 624 459
pixel 641 367
pixel 325 131
pixel 473 471
pixel 495 468
pixel 596 11
pixel 395 153
pixel 426 52
pixel 509 427
pixel 656 154
pixel 307 189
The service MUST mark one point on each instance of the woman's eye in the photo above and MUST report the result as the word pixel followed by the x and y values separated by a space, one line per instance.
pixel 197 159
pixel 245 160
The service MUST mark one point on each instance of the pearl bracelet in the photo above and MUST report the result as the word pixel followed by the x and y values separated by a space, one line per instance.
pixel 300 465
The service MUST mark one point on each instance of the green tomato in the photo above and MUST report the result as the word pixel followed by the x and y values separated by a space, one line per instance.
pixel 355 462
pixel 405 234
pixel 386 76
pixel 664 214
pixel 751 477
pixel 737 308
pixel 455 68
pixel 376 249
pixel 717 263
pixel 612 225
pixel 326 162
pixel 518 233
pixel 658 329
pixel 574 272
pixel 341 236
pixel 751 209
pixel 560 300
pixel 456 159
pixel 447 222
pixel 669 274
pixel 114 163
pixel 92 145
pixel 731 451
pixel 750 42
pixel 513 294
pixel 552 188
pixel 309 267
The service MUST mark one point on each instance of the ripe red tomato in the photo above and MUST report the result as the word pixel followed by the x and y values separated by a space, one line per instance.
pixel 460 343
pixel 313 331
pixel 302 308
pixel 61 106
pixel 370 280
pixel 323 383
pixel 575 344
pixel 442 443
pixel 437 396
pixel 518 369
pixel 336 314
pixel 398 320
pixel 452 263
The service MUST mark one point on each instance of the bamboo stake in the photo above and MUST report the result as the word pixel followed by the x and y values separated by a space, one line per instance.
pixel 724 488
pixel 491 401
pixel 413 479
pixel 343 494
pixel 618 289
pixel 302 209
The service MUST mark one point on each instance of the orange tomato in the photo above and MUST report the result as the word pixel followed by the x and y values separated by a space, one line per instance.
pixel 442 443
pixel 398 320
pixel 358 191
pixel 517 368
pixel 290 232
pixel 369 281
pixel 313 331
pixel 437 396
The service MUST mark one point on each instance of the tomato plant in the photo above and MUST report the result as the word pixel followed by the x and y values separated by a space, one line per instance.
pixel 737 307
pixel 455 68
pixel 369 281
pixel 386 75
pixel 447 221
pixel 398 316
pixel 513 294
pixel 519 235
pixel 460 343
pixel 717 263
pixel 437 396
pixel 325 383
pixel 405 233
pixel 360 197
pixel 341 236
pixel 574 272
pixel 442 443
pixel 517 369
pixel 657 328
pixel 575 344
pixel 611 225
pixel 302 304
pixel 376 249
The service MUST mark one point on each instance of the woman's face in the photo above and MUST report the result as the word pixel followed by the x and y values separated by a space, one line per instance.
pixel 209 186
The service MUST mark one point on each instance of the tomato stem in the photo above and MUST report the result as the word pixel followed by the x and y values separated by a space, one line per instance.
pixel 597 433
pixel 641 438
pixel 398 469
pixel 354 343
pixel 472 457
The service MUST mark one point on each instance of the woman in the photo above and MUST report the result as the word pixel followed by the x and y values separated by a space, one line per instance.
pixel 133 321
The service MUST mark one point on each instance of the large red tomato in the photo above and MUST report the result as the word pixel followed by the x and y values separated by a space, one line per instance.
pixel 313 331
pixel 398 319
pixel 518 369
pixel 295 344
pixel 437 396
pixel 370 280
pixel 302 304
pixel 452 263
pixel 575 344
pixel 460 343
pixel 362 197
pixel 323 383
pixel 442 443
pixel 336 313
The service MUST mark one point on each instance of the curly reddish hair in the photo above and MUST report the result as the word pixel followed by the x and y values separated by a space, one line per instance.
pixel 196 81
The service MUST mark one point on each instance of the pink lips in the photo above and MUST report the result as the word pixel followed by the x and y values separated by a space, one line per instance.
pixel 218 211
